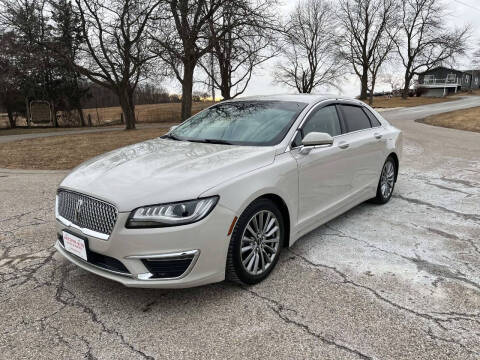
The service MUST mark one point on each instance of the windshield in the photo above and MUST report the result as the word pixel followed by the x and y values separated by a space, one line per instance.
pixel 258 123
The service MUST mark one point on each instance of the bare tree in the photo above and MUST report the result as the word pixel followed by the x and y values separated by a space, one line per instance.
pixel 392 78
pixel 309 48
pixel 425 42
pixel 365 24
pixel 186 36
pixel 182 39
pixel 246 44
pixel 116 53
pixel 476 59
pixel 380 55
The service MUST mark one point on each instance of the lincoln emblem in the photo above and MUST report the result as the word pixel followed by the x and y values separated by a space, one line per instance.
pixel 78 209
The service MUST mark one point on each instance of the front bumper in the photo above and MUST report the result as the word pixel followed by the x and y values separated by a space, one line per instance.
pixel 205 242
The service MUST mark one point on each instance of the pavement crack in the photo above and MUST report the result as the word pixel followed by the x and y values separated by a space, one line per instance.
pixel 461 182
pixel 280 310
pixel 454 237
pixel 342 234
pixel 375 293
pixel 472 217
pixel 442 271
pixel 437 338
pixel 446 188
pixel 71 300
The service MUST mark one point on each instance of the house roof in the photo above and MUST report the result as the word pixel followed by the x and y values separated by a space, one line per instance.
pixel 440 67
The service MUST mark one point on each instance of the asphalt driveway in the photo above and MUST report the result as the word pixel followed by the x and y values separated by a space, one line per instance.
pixel 400 281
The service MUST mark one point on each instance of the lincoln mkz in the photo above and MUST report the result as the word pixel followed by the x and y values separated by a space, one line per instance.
pixel 220 195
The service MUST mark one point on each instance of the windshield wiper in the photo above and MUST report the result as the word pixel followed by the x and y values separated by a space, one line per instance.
pixel 218 141
pixel 170 136
pixel 210 141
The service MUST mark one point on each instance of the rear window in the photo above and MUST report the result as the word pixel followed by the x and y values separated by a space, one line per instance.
pixel 373 118
pixel 354 117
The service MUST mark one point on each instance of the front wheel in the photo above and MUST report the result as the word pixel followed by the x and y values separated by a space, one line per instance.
pixel 386 184
pixel 256 243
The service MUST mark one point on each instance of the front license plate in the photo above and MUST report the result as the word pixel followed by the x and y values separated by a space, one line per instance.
pixel 75 245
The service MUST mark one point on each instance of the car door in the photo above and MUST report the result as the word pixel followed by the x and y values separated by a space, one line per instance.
pixel 363 143
pixel 324 175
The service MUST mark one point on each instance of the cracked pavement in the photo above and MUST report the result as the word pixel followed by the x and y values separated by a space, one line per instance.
pixel 399 281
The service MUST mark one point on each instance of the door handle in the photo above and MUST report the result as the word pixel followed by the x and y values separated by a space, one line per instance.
pixel 343 145
pixel 378 135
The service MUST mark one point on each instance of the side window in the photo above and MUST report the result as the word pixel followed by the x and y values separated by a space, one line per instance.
pixel 323 120
pixel 373 119
pixel 354 117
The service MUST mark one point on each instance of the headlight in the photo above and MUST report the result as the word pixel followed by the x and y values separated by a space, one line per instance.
pixel 163 215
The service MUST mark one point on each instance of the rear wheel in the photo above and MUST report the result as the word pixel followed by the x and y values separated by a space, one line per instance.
pixel 386 184
pixel 256 243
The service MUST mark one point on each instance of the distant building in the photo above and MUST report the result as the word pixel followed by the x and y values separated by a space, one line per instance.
pixel 475 78
pixel 442 81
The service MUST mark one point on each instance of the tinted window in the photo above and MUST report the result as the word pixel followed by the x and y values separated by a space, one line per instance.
pixel 354 118
pixel 323 120
pixel 241 123
pixel 373 118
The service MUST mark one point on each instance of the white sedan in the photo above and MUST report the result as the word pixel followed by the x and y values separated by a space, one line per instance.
pixel 220 195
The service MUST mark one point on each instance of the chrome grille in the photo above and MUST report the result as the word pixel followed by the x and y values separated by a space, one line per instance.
pixel 87 212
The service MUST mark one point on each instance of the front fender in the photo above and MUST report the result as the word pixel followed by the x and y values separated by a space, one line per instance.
pixel 279 178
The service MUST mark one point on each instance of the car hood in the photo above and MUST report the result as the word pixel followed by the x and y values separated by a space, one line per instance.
pixel 163 170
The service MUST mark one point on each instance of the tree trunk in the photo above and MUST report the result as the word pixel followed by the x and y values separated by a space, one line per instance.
pixel 82 117
pixel 364 82
pixel 53 109
pixel 27 106
pixel 125 97
pixel 406 88
pixel 372 90
pixel 187 87
pixel 11 119
pixel 226 93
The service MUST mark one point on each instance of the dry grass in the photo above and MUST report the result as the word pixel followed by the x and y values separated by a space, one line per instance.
pixel 384 102
pixel 154 113
pixel 37 130
pixel 67 151
pixel 144 113
pixel 474 93
pixel 468 119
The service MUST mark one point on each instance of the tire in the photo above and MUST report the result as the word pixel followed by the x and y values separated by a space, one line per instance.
pixel 386 184
pixel 243 267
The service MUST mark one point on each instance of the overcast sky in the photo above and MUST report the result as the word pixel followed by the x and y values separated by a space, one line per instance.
pixel 462 12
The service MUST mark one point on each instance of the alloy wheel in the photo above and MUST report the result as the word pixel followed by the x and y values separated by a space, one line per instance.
pixel 387 181
pixel 260 242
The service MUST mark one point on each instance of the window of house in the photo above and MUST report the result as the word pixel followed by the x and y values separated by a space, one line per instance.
pixel 428 79
pixel 451 78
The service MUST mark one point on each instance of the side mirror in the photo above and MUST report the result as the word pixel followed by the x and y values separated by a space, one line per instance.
pixel 173 128
pixel 317 138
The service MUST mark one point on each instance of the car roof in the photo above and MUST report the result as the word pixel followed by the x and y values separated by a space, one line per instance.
pixel 304 98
